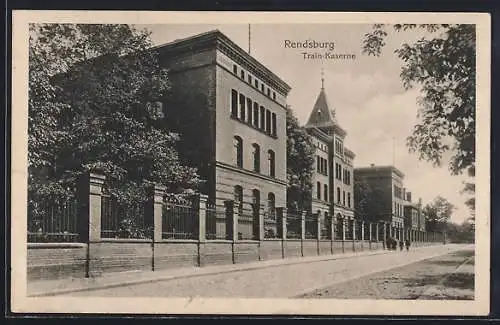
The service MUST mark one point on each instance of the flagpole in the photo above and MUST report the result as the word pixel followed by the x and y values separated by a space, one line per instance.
pixel 249 38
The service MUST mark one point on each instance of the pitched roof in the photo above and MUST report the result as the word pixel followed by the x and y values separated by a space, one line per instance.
pixel 322 115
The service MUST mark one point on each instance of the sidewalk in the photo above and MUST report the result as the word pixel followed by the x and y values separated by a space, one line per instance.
pixel 111 280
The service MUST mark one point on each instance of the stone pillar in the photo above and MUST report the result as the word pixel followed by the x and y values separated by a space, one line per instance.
pixel 353 234
pixel 370 235
pixel 343 234
pixel 281 219
pixel 333 223
pixel 231 220
pixel 92 221
pixel 303 226
pixel 376 232
pixel 385 235
pixel 202 220
pixel 318 226
pixel 158 194
pixel 362 234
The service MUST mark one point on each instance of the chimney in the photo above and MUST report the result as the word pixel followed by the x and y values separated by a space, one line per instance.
pixel 408 196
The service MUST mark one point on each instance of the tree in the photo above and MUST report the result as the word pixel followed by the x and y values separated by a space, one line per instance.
pixel 96 104
pixel 437 214
pixel 368 201
pixel 444 67
pixel 299 163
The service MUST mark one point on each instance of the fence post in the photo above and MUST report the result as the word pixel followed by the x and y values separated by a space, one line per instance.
pixel 231 225
pixel 333 222
pixel 362 235
pixel 202 225
pixel 318 231
pixel 302 231
pixel 384 239
pixel 90 218
pixel 353 234
pixel 343 234
pixel 281 219
pixel 157 194
pixel 370 235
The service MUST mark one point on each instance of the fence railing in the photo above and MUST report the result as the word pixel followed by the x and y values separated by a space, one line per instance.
pixel 124 220
pixel 180 220
pixel 55 222
pixel 294 226
pixel 311 226
pixel 215 217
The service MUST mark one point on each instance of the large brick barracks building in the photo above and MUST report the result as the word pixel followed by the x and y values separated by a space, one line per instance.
pixel 231 111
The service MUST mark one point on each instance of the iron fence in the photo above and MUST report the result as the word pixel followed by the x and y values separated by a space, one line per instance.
pixel 180 220
pixel 293 226
pixel 311 226
pixel 53 222
pixel 271 225
pixel 215 218
pixel 124 220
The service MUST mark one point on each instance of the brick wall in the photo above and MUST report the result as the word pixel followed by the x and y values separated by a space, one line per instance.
pixel 175 254
pixel 271 249
pixel 325 247
pixel 310 247
pixel 118 256
pixel 246 252
pixel 52 261
pixel 216 252
pixel 292 248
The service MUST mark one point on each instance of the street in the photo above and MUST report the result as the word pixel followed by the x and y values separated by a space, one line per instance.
pixel 301 280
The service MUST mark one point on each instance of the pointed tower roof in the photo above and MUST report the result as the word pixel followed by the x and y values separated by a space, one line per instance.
pixel 322 115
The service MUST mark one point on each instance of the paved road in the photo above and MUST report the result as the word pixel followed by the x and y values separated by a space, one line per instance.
pixel 449 277
pixel 275 282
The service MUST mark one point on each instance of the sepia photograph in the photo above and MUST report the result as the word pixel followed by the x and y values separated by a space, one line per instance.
pixel 175 162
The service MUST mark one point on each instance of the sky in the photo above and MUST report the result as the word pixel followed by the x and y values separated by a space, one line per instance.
pixel 366 93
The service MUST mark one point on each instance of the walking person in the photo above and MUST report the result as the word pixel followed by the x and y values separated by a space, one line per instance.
pixel 407 243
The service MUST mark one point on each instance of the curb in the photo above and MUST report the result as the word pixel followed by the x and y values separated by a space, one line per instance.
pixel 205 272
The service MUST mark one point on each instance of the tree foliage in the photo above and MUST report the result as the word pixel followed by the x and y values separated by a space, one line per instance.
pixel 369 198
pixel 437 214
pixel 300 164
pixel 444 67
pixel 95 103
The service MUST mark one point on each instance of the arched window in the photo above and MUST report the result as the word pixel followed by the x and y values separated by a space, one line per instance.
pixel 338 195
pixel 238 151
pixel 242 107
pixel 271 205
pixel 325 192
pixel 238 198
pixel 272 163
pixel 256 157
pixel 348 199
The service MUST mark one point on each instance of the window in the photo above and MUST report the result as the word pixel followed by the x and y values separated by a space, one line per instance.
pixel 343 197
pixel 249 79
pixel 234 103
pixel 273 118
pixel 325 192
pixel 349 199
pixel 262 87
pixel 235 69
pixel 268 92
pixel 338 195
pixel 242 107
pixel 262 117
pixel 268 121
pixel 256 83
pixel 256 157
pixel 271 205
pixel 338 169
pixel 256 115
pixel 242 74
pixel 238 151
pixel 318 190
pixel 238 198
pixel 272 163
pixel 318 164
pixel 249 111
pixel 274 95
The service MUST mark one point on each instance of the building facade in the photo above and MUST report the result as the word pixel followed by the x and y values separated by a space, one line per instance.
pixel 231 112
pixel 333 195
pixel 387 198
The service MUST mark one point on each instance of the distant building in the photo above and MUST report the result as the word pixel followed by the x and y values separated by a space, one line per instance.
pixel 413 214
pixel 387 197
pixel 231 112
pixel 332 194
